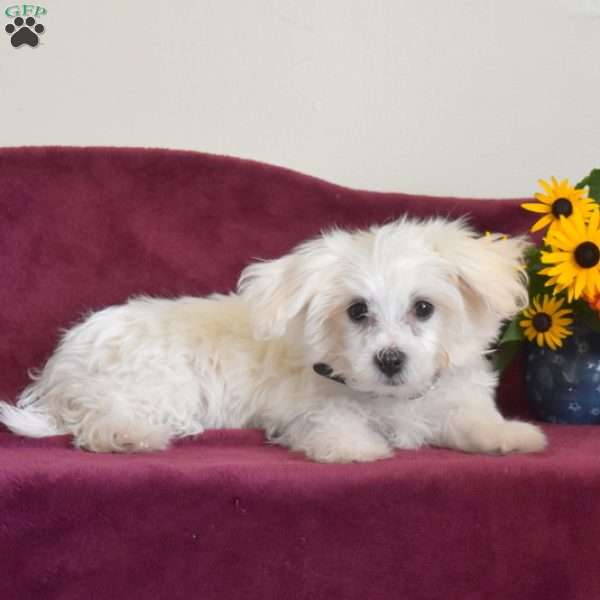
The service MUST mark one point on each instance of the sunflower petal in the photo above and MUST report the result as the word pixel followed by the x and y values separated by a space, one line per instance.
pixel 537 208
pixel 547 187
pixel 541 223
pixel 553 257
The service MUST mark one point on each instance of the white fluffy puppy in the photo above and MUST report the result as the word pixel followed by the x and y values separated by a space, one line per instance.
pixel 354 344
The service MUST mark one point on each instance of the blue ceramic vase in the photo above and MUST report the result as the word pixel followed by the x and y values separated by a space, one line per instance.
pixel 563 386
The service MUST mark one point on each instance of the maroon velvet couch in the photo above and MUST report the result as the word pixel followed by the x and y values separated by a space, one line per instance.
pixel 225 516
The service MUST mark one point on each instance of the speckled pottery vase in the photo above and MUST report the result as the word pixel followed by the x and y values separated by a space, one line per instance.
pixel 563 386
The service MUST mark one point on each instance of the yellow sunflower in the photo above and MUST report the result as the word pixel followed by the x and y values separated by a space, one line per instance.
pixel 545 322
pixel 574 256
pixel 560 199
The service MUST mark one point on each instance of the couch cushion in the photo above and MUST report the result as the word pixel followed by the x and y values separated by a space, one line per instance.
pixel 227 517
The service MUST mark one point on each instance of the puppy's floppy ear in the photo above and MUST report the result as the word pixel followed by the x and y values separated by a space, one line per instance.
pixel 489 268
pixel 278 290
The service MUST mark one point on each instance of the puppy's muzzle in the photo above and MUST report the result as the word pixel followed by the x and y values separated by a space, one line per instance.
pixel 390 361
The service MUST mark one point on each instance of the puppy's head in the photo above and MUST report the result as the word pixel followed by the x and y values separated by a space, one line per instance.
pixel 387 309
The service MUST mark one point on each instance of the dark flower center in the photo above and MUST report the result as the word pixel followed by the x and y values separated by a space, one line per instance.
pixel 587 255
pixel 562 207
pixel 541 322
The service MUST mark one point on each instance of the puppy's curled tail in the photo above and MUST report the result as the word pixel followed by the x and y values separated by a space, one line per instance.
pixel 29 421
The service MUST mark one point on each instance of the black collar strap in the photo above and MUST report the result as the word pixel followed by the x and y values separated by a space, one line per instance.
pixel 326 371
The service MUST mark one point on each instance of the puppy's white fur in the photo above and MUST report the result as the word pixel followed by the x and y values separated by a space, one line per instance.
pixel 135 376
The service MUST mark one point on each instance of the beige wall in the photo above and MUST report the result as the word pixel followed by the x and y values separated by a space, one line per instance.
pixel 465 97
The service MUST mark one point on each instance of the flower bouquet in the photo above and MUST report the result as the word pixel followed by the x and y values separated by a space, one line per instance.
pixel 561 325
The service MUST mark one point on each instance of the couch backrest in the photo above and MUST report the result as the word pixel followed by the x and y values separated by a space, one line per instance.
pixel 82 228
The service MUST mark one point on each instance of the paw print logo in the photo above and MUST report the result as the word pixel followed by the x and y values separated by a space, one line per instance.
pixel 24 31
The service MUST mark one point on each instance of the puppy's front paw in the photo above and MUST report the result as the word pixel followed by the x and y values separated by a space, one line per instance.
pixel 521 437
pixel 496 436
pixel 349 449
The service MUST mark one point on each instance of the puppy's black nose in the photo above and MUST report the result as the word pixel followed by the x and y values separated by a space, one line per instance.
pixel 390 361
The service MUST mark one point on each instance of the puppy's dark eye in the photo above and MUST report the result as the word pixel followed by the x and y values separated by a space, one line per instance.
pixel 423 310
pixel 358 311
